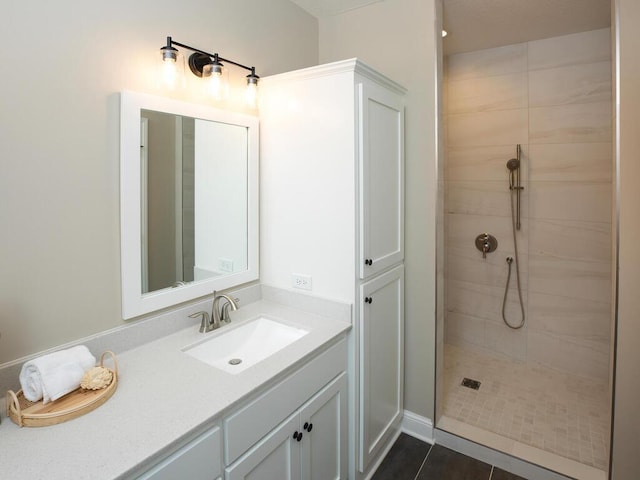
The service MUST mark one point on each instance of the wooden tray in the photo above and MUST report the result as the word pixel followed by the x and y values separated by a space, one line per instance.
pixel 25 413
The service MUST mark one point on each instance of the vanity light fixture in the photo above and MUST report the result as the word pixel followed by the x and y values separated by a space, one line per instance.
pixel 208 66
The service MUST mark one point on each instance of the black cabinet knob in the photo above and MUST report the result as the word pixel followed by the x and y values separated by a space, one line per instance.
pixel 368 300
pixel 368 261
pixel 309 427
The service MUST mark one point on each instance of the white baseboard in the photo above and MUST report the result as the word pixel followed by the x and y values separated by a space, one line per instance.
pixel 418 426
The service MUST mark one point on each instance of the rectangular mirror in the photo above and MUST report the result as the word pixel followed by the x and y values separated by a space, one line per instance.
pixel 188 201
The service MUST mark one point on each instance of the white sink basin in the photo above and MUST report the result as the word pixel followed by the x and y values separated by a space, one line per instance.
pixel 244 346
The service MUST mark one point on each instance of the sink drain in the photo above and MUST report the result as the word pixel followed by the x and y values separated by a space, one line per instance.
pixel 470 383
pixel 235 361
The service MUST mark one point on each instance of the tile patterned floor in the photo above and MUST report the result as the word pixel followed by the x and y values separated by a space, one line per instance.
pixel 557 412
pixel 413 459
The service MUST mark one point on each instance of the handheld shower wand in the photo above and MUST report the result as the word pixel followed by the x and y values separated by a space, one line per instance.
pixel 515 188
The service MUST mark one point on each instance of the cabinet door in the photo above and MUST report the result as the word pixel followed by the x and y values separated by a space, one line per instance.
pixel 324 424
pixel 276 456
pixel 381 178
pixel 381 362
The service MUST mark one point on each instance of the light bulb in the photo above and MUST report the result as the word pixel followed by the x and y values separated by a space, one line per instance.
pixel 215 86
pixel 251 95
pixel 170 64
pixel 169 73
pixel 216 82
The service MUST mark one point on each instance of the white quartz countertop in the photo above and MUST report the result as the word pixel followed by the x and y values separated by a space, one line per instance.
pixel 163 395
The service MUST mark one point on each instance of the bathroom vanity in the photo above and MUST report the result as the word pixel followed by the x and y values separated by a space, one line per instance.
pixel 174 415
pixel 295 429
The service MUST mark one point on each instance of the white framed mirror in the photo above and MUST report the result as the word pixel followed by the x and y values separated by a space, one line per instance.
pixel 188 201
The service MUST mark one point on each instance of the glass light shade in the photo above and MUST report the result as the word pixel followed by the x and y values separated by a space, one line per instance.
pixel 251 94
pixel 216 79
pixel 171 69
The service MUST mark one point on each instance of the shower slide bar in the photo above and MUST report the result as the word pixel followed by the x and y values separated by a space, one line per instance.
pixel 514 181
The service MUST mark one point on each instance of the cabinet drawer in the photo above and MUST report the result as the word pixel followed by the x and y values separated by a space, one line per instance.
pixel 199 460
pixel 249 424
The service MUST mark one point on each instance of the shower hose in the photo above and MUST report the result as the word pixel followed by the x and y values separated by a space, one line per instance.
pixel 509 262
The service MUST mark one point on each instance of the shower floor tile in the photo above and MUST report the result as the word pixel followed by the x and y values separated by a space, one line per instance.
pixel 553 411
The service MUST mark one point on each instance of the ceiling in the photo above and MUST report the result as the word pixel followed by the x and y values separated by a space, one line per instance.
pixel 478 24
pixel 327 8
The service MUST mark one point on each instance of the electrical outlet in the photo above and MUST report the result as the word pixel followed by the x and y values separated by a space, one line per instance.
pixel 225 265
pixel 301 281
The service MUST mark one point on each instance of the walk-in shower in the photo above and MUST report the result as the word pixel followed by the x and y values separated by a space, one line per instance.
pixel 527 317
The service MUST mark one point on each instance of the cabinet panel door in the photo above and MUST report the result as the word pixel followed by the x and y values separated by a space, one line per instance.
pixel 324 423
pixel 277 456
pixel 381 179
pixel 381 362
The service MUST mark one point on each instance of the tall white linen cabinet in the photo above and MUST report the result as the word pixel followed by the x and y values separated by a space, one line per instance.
pixel 332 211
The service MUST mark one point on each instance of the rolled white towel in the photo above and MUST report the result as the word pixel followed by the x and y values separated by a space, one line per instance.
pixel 53 375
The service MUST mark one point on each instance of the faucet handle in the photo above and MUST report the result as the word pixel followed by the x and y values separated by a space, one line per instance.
pixel 204 324
pixel 226 316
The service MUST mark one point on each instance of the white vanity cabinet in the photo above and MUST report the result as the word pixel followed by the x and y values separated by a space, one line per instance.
pixel 332 207
pixel 293 430
pixel 310 444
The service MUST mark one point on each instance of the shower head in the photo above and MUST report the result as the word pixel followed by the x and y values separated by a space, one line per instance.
pixel 513 164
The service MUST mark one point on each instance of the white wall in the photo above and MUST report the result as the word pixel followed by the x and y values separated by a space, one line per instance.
pixel 398 38
pixel 64 64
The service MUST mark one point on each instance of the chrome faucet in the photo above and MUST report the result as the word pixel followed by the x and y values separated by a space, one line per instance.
pixel 218 314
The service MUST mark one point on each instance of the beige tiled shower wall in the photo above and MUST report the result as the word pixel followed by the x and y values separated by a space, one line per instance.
pixel 553 97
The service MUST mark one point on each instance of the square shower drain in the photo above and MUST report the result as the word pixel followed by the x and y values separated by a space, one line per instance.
pixel 470 383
